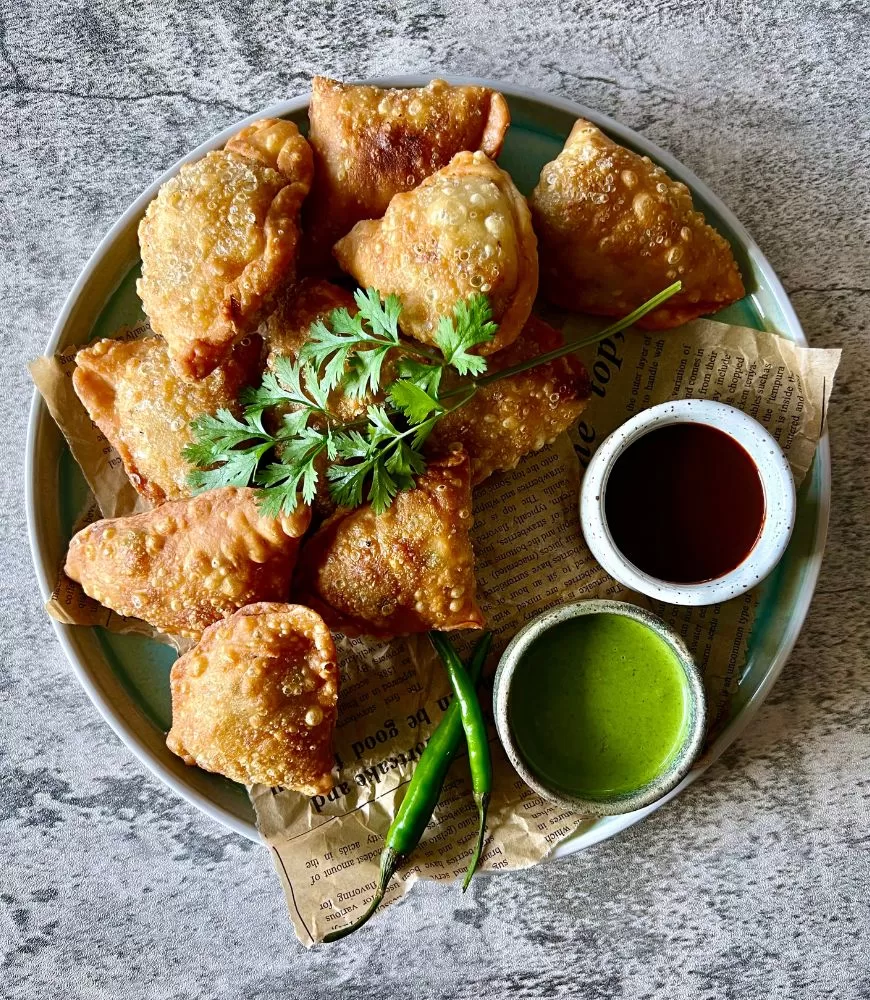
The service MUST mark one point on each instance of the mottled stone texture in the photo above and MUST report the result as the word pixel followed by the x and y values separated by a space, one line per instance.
pixel 755 882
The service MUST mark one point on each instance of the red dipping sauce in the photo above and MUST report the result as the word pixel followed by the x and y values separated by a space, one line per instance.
pixel 685 503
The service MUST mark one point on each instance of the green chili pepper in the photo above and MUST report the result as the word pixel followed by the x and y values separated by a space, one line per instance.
pixel 423 792
pixel 479 760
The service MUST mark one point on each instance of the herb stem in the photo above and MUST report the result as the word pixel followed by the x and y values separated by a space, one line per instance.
pixel 424 352
pixel 572 345
pixel 415 428
pixel 228 451
pixel 469 388
pixel 404 347
pixel 472 388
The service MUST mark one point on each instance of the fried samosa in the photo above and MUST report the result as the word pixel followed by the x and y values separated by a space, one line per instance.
pixel 614 229
pixel 370 144
pixel 220 240
pixel 409 569
pixel 255 699
pixel 519 415
pixel 286 331
pixel 188 563
pixel 465 229
pixel 134 395
pixel 288 328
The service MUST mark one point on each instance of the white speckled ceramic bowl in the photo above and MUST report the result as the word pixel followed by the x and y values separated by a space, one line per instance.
pixel 681 762
pixel 776 481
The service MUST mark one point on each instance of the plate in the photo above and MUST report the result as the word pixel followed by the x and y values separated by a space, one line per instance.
pixel 127 677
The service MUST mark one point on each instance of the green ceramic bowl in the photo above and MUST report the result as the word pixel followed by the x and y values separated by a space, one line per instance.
pixel 127 677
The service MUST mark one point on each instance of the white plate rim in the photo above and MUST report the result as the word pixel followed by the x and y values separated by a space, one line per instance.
pixel 603 828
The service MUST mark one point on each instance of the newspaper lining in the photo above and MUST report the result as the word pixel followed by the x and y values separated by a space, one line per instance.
pixel 530 555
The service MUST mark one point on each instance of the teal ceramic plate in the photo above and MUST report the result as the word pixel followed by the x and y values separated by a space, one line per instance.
pixel 127 676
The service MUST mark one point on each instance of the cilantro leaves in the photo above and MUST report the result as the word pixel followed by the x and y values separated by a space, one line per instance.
pixel 288 435
pixel 372 458
pixel 471 326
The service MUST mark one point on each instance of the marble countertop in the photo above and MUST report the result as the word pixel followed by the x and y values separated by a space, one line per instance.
pixel 755 882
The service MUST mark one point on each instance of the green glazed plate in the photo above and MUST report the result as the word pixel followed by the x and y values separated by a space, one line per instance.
pixel 127 677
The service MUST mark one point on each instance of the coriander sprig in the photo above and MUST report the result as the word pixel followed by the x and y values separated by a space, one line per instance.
pixel 373 457
pixel 470 326
pixel 350 350
pixel 296 384
pixel 386 452
pixel 228 451
pixel 382 453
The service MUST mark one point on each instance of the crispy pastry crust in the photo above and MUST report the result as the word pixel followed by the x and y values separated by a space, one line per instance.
pixel 465 229
pixel 407 570
pixel 614 229
pixel 188 563
pixel 370 144
pixel 220 239
pixel 507 420
pixel 286 331
pixel 256 699
pixel 134 395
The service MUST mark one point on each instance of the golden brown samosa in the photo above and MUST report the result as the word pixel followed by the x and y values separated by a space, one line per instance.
pixel 288 328
pixel 371 143
pixel 144 407
pixel 464 230
pixel 286 331
pixel 188 563
pixel 520 414
pixel 255 699
pixel 614 229
pixel 220 240
pixel 409 569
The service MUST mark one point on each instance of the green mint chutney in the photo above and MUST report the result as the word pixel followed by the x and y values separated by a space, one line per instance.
pixel 599 706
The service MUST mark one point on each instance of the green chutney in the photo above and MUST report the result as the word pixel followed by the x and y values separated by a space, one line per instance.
pixel 599 706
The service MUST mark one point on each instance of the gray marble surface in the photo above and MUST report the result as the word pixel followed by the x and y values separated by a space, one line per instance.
pixel 755 882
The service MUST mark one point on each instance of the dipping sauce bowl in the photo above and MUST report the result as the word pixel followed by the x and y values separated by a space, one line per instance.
pixel 691 502
pixel 599 706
